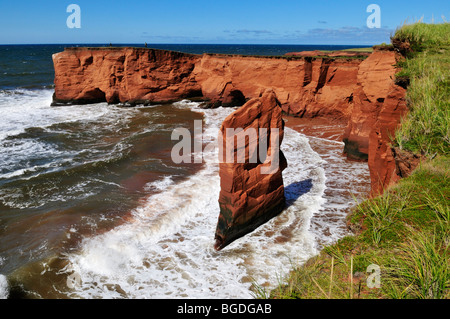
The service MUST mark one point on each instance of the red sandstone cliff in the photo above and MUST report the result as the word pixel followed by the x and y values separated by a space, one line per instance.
pixel 305 87
pixel 363 93
pixel 89 75
pixel 378 107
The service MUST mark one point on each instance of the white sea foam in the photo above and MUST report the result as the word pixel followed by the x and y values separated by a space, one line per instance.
pixel 166 250
pixel 159 185
pixel 22 156
pixel 346 181
pixel 4 289
pixel 22 110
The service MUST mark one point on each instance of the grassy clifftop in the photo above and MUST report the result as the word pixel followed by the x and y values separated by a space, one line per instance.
pixel 400 247
pixel 426 130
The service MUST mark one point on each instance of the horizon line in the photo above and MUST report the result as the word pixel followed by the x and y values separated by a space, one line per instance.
pixel 149 44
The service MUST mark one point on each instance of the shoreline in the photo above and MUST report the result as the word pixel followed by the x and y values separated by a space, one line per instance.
pixel 330 132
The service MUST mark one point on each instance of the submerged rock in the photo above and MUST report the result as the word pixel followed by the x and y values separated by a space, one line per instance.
pixel 252 190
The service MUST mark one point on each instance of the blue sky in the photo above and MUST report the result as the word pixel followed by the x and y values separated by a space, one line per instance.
pixel 209 21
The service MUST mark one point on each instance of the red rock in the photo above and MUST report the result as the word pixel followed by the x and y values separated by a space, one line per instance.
pixel 249 197
pixel 378 107
pixel 383 160
pixel 375 77
pixel 304 87
pixel 89 75
pixel 361 92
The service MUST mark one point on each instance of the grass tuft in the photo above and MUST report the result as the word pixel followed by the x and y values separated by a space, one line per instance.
pixel 421 270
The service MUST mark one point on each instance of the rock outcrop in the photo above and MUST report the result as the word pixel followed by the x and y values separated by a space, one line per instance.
pixel 252 190
pixel 378 107
pixel 305 87
pixel 386 164
pixel 360 91
pixel 374 82
pixel 114 75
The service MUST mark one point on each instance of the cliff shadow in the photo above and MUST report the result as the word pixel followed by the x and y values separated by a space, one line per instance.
pixel 295 190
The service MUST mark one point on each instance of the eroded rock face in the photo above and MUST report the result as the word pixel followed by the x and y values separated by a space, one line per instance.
pixel 374 82
pixel 379 105
pixel 252 190
pixel 90 75
pixel 305 87
pixel 387 165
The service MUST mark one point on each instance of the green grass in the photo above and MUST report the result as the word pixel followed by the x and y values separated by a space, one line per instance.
pixel 366 50
pixel 421 269
pixel 422 36
pixel 405 231
pixel 426 129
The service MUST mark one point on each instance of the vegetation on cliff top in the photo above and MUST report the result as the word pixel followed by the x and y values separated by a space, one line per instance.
pixel 400 247
pixel 426 129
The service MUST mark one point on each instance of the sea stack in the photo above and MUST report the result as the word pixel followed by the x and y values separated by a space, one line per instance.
pixel 252 189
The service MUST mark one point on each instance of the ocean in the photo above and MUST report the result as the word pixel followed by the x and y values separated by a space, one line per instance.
pixel 92 206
